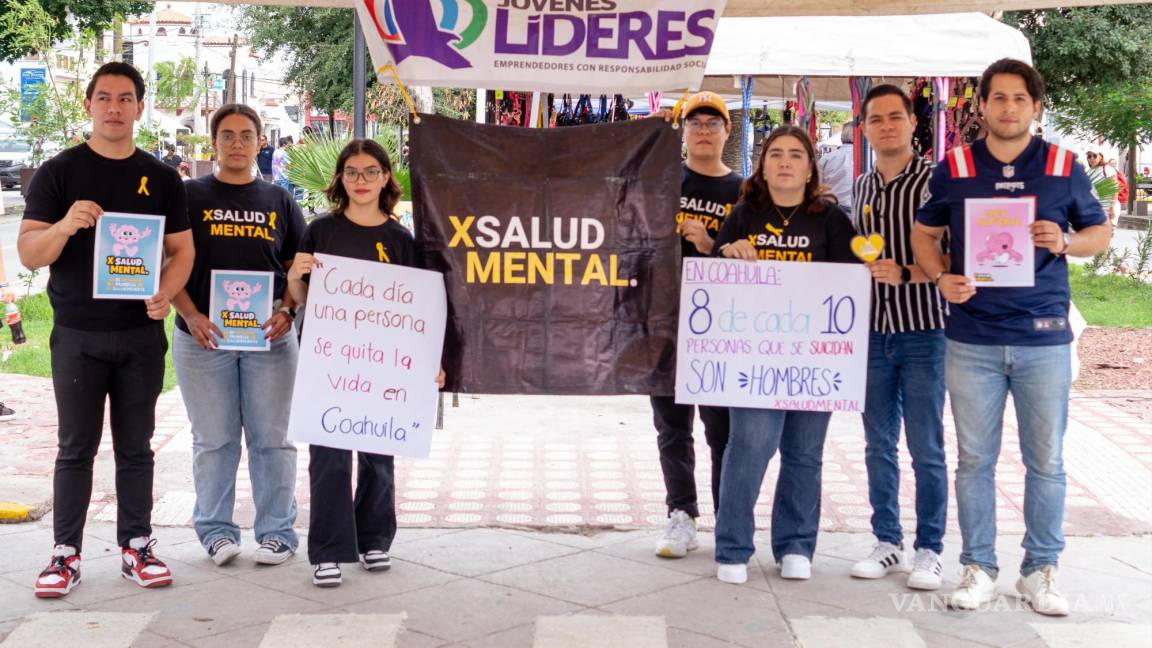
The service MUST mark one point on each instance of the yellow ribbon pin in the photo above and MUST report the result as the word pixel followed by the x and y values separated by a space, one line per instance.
pixel 143 186
pixel 383 255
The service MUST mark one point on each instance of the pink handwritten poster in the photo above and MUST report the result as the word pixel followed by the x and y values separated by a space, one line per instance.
pixel 998 250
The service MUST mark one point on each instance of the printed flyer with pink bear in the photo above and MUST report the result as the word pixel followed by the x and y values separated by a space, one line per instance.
pixel 128 252
pixel 998 249
pixel 240 304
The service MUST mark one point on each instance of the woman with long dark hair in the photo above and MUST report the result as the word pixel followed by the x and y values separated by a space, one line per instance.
pixel 342 527
pixel 781 216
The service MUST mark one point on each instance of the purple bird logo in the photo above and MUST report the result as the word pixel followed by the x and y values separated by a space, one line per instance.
pixel 410 28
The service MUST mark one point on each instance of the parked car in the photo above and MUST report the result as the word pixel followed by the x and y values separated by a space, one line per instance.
pixel 14 156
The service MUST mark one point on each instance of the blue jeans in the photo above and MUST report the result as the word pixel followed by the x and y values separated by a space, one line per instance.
pixel 906 380
pixel 754 437
pixel 979 379
pixel 229 393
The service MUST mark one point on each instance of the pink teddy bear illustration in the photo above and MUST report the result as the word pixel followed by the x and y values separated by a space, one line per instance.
pixel 240 294
pixel 127 237
pixel 998 250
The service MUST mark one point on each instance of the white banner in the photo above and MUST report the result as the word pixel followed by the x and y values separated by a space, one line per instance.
pixel 773 335
pixel 369 356
pixel 543 45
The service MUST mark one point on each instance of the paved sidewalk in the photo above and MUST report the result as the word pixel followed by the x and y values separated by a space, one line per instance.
pixel 591 462
pixel 535 513
pixel 497 587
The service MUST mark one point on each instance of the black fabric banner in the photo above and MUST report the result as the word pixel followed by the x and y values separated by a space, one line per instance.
pixel 559 250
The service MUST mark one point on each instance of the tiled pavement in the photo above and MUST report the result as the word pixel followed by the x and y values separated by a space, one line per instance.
pixel 590 462
pixel 474 588
pixel 582 470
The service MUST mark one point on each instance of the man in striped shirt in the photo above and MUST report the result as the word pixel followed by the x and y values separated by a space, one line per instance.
pixel 905 350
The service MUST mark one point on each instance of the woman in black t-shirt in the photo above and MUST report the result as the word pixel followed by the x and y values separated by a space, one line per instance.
pixel 781 216
pixel 343 528
pixel 239 223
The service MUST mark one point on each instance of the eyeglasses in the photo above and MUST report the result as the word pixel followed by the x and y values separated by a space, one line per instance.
pixel 245 138
pixel 699 125
pixel 371 174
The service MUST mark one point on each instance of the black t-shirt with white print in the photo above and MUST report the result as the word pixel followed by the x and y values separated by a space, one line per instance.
pixel 254 226
pixel 825 235
pixel 708 199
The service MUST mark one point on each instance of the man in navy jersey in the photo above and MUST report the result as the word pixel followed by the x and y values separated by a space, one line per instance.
pixel 1014 340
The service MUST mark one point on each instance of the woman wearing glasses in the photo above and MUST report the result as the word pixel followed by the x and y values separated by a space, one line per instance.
pixel 239 222
pixel 344 528
pixel 781 216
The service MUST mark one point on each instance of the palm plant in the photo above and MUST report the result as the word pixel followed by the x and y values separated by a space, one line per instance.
pixel 1107 188
pixel 312 162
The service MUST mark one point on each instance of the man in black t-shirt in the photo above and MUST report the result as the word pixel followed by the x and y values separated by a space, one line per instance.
pixel 708 189
pixel 104 349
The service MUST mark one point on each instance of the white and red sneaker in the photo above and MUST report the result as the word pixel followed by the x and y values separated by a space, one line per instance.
pixel 61 575
pixel 142 566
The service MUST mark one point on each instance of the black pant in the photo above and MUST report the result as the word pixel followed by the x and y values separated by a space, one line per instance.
pixel 126 368
pixel 678 454
pixel 341 527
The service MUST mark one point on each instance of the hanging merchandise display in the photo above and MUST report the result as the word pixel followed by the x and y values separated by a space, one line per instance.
pixel 954 101
pixel 746 145
pixel 806 107
pixel 862 153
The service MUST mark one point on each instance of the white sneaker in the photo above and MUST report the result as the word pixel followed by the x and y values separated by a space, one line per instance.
pixel 884 559
pixel 326 575
pixel 734 574
pixel 679 536
pixel 1039 590
pixel 796 567
pixel 977 588
pixel 926 570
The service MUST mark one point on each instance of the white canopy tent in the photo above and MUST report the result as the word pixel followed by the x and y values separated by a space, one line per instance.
pixel 776 52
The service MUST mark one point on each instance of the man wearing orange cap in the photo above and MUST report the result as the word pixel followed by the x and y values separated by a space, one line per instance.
pixel 708 189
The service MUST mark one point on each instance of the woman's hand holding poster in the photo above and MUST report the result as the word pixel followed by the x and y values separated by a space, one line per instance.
pixel 369 356
pixel 773 335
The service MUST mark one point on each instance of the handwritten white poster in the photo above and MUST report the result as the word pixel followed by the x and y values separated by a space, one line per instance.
pixel 773 335
pixel 369 356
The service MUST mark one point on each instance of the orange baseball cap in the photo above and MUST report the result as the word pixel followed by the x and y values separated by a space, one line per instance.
pixel 706 100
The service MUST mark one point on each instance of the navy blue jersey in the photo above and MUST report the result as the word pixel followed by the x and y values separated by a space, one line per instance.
pixel 1035 316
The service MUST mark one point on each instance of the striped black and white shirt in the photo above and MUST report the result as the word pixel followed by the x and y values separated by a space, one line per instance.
pixel 890 210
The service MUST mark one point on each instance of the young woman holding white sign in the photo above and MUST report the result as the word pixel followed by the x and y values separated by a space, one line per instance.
pixel 781 216
pixel 343 528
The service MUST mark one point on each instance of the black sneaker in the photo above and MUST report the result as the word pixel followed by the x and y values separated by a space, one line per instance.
pixel 272 552
pixel 326 575
pixel 6 413
pixel 376 560
pixel 223 550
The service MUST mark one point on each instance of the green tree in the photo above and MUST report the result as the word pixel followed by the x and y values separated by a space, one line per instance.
pixel 317 45
pixel 177 84
pixel 93 16
pixel 57 111
pixel 1097 68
